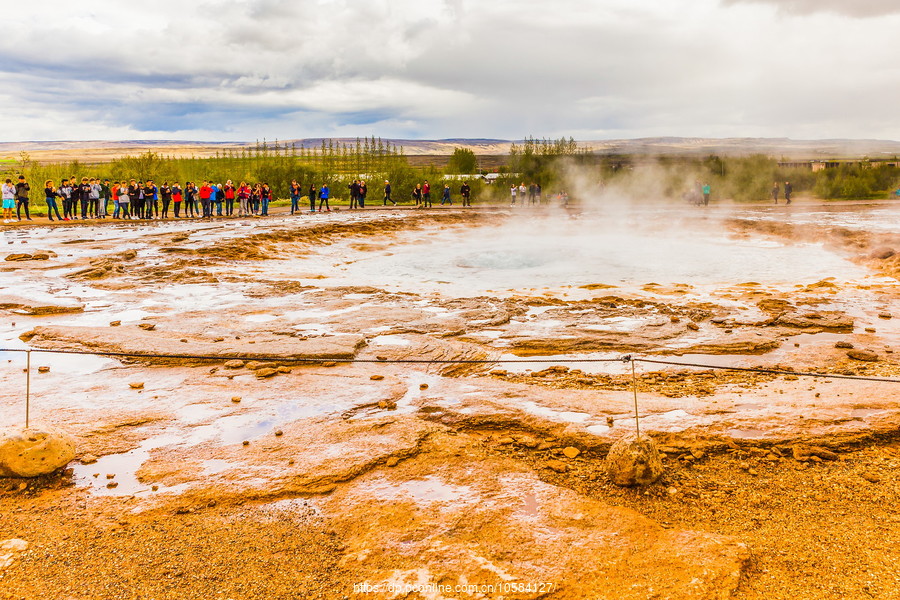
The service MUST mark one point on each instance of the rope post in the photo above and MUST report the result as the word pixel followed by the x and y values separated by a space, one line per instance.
pixel 637 419
pixel 27 388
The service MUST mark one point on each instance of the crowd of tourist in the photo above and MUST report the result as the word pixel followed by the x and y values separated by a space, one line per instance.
pixel 90 198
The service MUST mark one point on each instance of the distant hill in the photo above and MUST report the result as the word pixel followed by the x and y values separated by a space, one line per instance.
pixel 101 151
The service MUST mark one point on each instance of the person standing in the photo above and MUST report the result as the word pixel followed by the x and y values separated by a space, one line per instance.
pixel 190 200
pixel 513 190
pixel 324 193
pixel 9 200
pixel 363 190
pixel 465 191
pixel 522 192
pixel 229 198
pixel 84 197
pixel 165 192
pixel 243 196
pixel 65 192
pixel 445 196
pixel 50 194
pixel 706 192
pixel 177 198
pixel 105 195
pixel 265 196
pixel 775 192
pixel 124 201
pixel 134 199
pixel 311 195
pixel 22 189
pixel 205 193
pixel 417 194
pixel 114 192
pixel 354 193
pixel 295 197
pixel 426 194
pixel 387 193
pixel 788 190
pixel 217 197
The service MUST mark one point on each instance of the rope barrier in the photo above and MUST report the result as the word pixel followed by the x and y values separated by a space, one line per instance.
pixel 769 371
pixel 454 361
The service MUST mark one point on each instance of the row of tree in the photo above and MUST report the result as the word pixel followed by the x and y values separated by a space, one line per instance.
pixel 554 164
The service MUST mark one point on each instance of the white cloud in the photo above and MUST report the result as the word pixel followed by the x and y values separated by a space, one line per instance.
pixel 242 69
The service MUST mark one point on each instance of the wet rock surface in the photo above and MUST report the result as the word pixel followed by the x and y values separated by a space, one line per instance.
pixel 433 471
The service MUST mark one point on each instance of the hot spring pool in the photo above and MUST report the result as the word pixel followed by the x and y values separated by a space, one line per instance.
pixel 531 253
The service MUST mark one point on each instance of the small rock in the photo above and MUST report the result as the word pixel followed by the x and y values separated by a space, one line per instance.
pixel 546 446
pixel 183 340
pixel 265 372
pixel 693 326
pixel 387 405
pixel 381 358
pixel 864 355
pixel 672 491
pixel 329 363
pixel 392 461
pixel 557 465
pixel 235 399
pixel 752 472
pixel 499 372
pixel 138 385
pixel 255 365
pixel 505 440
pixel 234 364
pixel 246 442
pixel 88 459
pixel 571 451
pixel 870 330
pixel 110 475
pixel 844 345
pixel 278 433
pixel 283 369
pixel 154 487
pixel 423 386
pixel 744 465
pixel 885 315
pixel 697 453
pixel 376 377
pixel 870 477
pixel 883 253
pixel 43 369
pixel 147 326
pixel 112 484
pixel 115 323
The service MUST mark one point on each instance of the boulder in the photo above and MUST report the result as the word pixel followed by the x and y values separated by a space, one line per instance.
pixel 634 461
pixel 35 451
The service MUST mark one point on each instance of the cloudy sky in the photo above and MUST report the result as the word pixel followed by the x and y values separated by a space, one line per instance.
pixel 248 69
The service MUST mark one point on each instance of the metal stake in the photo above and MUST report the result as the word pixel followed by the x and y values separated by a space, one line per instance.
pixel 637 420
pixel 27 388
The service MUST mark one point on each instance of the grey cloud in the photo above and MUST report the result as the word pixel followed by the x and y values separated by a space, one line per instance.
pixel 850 8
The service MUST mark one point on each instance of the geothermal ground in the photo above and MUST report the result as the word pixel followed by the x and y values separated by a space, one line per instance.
pixel 249 474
